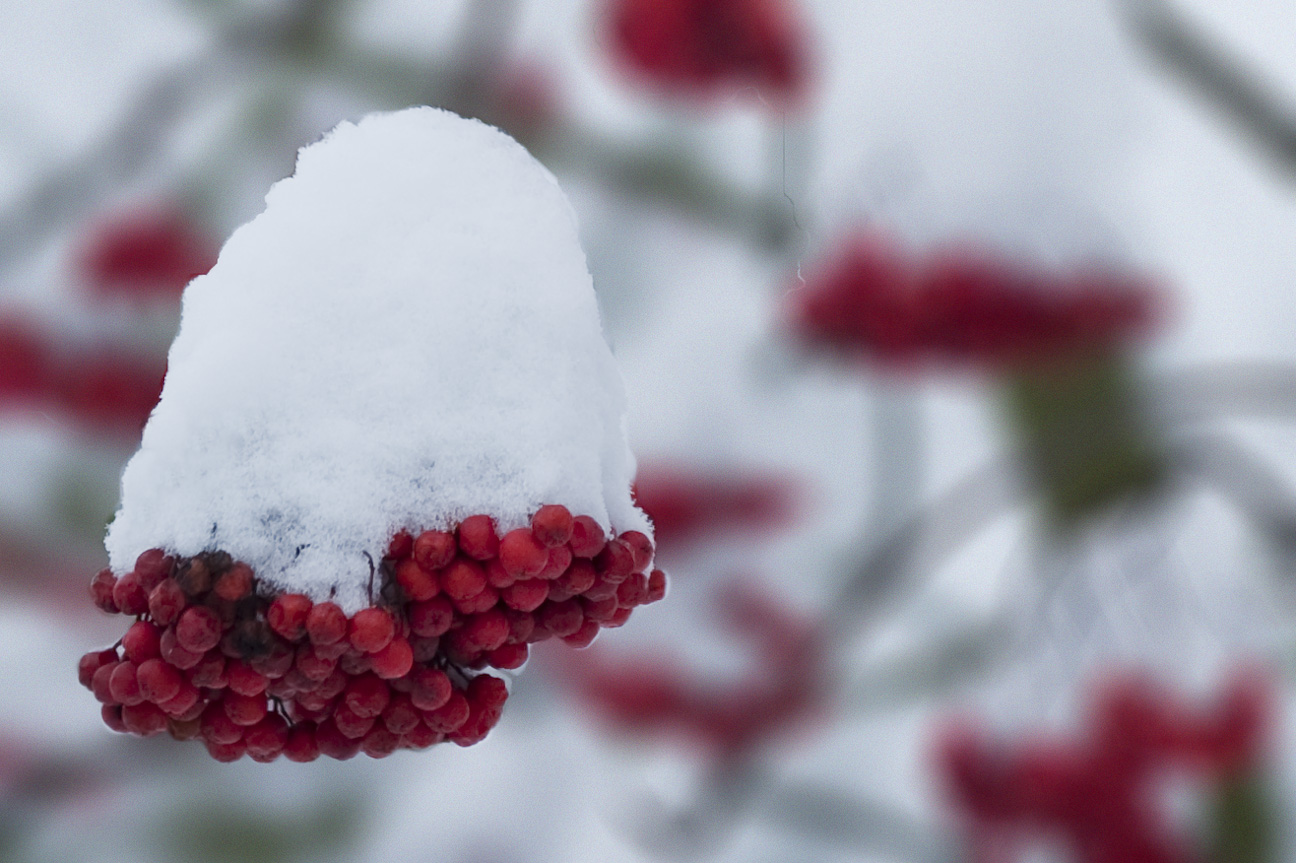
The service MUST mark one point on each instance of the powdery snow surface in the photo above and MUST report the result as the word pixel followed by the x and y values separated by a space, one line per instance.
pixel 406 336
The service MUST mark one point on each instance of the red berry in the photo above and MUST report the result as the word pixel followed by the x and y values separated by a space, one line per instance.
pixel 431 688
pixel 124 684
pixel 185 704
pixel 417 582
pixel 615 562
pixel 487 691
pixel 584 636
pixel 526 595
pixel 244 709
pixel 312 665
pixel 578 577
pixel 434 549
pixel 560 618
pixel 641 548
pixel 401 545
pixel 333 743
pixel 477 537
pixel 226 753
pixel 244 679
pixel 379 742
pixel 599 609
pixel 91 662
pixel 144 719
pixel 176 655
pixel 432 618
pixel 354 663
pixel 462 579
pixel 166 601
pixel 235 583
pixel 198 630
pixel 559 559
pixel 496 575
pixel 618 619
pixel 371 629
pixel 656 586
pixel 301 746
pixel 209 671
pixel 268 737
pixel 287 615
pixel 394 660
pixel 633 591
pixel 487 630
pixel 326 623
pixel 152 567
pixel 351 724
pixel 508 656
pixel 587 538
pixel 448 717
pixel 521 625
pixel 101 683
pixel 112 717
pixel 479 602
pixel 552 525
pixel 400 715
pixel 421 737
pixel 367 695
pixel 158 682
pixel 130 595
pixel 521 554
pixel 101 591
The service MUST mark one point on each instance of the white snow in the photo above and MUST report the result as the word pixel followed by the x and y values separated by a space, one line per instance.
pixel 406 336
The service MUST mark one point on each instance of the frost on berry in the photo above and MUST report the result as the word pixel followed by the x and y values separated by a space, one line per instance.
pixel 333 555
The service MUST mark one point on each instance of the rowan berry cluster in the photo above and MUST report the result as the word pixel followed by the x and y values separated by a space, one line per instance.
pixel 218 656
pixel 1097 794
pixel 703 48
pixel 874 301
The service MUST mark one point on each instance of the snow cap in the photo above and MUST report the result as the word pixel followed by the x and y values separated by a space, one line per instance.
pixel 406 336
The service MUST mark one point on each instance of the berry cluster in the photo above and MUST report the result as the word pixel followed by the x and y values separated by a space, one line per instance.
pixel 151 252
pixel 783 692
pixel 684 504
pixel 710 48
pixel 103 388
pixel 873 301
pixel 1097 794
pixel 215 655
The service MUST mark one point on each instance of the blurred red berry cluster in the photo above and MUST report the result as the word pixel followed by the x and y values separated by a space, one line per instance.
pixel 152 252
pixel 217 655
pixel 782 692
pixel 685 504
pixel 703 49
pixel 102 388
pixel 965 307
pixel 1099 794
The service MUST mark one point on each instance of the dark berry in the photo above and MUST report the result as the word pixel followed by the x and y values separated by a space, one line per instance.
pixel 112 717
pixel 333 743
pixel 401 716
pixel 301 746
pixel 431 688
pixel 552 525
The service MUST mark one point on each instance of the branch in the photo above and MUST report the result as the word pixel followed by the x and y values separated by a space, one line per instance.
pixel 1222 78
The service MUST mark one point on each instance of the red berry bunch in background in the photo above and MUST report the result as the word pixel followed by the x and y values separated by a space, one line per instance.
pixel 152 252
pixel 685 504
pixel 710 48
pixel 965 307
pixel 215 655
pixel 783 691
pixel 1098 794
pixel 104 388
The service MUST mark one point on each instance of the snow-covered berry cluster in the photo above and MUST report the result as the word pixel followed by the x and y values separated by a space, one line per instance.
pixel 216 655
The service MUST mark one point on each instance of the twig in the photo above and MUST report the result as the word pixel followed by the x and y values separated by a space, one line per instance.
pixel 1220 77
